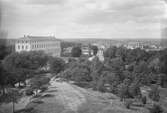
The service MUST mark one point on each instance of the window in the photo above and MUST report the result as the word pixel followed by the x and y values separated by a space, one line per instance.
pixel 22 47
pixel 26 47
pixel 18 47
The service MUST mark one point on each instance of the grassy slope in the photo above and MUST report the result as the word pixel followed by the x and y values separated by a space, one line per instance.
pixel 96 102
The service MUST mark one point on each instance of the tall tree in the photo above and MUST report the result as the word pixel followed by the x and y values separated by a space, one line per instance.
pixel 110 52
pixel 56 65
pixel 24 64
pixel 95 49
pixel 76 51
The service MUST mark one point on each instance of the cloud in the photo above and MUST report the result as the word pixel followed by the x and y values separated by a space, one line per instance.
pixel 46 2
pixel 83 18
pixel 122 11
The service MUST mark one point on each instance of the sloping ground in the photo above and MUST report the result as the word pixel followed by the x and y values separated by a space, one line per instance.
pixel 63 97
pixel 163 99
pixel 7 108
pixel 68 96
pixel 104 103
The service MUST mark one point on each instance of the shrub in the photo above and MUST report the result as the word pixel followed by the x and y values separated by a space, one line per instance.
pixel 128 103
pixel 154 93
pixel 144 100
pixel 29 92
pixel 156 108
pixel 43 88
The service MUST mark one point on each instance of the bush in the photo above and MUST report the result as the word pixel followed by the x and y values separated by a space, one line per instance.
pixel 38 101
pixel 128 103
pixel 144 100
pixel 56 65
pixel 156 108
pixel 44 88
pixel 154 93
pixel 26 110
pixel 29 92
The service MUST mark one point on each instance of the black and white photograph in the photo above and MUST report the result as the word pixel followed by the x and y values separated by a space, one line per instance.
pixel 83 56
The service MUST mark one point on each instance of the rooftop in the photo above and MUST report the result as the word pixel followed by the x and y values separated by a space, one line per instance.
pixel 28 37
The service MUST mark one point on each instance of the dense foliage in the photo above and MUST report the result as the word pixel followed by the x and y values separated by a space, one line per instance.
pixel 123 72
pixel 56 65
pixel 76 51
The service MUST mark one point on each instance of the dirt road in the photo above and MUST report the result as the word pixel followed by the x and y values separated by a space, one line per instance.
pixel 70 97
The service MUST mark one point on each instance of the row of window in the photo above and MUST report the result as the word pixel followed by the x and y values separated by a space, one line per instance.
pixel 22 47
pixel 25 41
pixel 43 46
pixel 25 47
pixel 22 41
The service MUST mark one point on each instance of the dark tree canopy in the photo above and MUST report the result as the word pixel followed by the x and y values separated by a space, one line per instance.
pixel 56 65
pixel 76 51
pixel 95 49
pixel 4 50
pixel 24 64
pixel 110 52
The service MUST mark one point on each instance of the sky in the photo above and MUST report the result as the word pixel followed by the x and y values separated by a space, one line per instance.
pixel 83 18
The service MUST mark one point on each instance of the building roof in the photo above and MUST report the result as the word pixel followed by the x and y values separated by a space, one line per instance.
pixel 39 38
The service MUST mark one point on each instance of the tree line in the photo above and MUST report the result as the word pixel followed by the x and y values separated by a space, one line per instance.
pixel 25 70
pixel 123 72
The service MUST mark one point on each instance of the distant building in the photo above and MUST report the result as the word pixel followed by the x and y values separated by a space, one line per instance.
pixel 85 50
pixel 67 50
pixel 50 45
pixel 100 53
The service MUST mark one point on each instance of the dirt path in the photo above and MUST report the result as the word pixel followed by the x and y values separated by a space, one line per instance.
pixel 70 97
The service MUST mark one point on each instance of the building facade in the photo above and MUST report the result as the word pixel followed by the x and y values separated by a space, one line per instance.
pixel 50 45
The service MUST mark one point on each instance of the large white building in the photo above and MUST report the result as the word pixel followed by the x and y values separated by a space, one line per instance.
pixel 48 44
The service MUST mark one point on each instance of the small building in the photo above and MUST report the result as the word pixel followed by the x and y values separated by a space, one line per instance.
pixel 85 50
pixel 49 44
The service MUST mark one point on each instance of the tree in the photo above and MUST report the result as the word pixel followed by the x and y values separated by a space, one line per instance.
pixel 111 79
pixel 128 103
pixel 154 93
pixel 23 65
pixel 56 65
pixel 13 95
pixel 121 52
pixel 137 55
pixel 96 69
pixel 78 71
pixel 37 83
pixel 123 89
pixel 156 108
pixel 144 100
pixel 110 52
pixel 134 90
pixel 76 51
pixel 3 49
pixel 100 84
pixel 95 49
